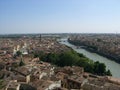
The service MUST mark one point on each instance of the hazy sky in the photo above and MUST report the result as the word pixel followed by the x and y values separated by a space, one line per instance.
pixel 56 16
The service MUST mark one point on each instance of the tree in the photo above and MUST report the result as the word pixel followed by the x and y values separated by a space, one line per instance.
pixel 84 62
pixel 99 68
pixel 27 87
pixel 53 58
pixel 21 62
pixel 2 85
pixel 81 55
pixel 18 53
pixel 68 59
pixel 102 68
pixel 108 73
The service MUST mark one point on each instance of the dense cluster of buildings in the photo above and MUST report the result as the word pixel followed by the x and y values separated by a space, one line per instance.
pixel 39 75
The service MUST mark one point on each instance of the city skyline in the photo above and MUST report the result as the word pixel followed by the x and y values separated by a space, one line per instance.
pixel 64 16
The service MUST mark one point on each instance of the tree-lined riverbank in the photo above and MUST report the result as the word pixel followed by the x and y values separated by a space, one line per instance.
pixel 93 49
pixel 110 64
pixel 72 58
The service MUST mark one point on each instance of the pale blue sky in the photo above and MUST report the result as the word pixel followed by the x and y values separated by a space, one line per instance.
pixel 59 16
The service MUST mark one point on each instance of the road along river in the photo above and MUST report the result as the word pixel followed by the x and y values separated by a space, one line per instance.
pixel 110 64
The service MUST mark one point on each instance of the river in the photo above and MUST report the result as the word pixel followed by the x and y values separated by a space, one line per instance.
pixel 110 64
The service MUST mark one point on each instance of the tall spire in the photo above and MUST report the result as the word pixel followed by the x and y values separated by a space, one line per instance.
pixel 21 57
pixel 21 61
pixel 40 38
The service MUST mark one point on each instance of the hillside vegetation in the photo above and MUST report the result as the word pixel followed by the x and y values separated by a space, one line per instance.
pixel 72 58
